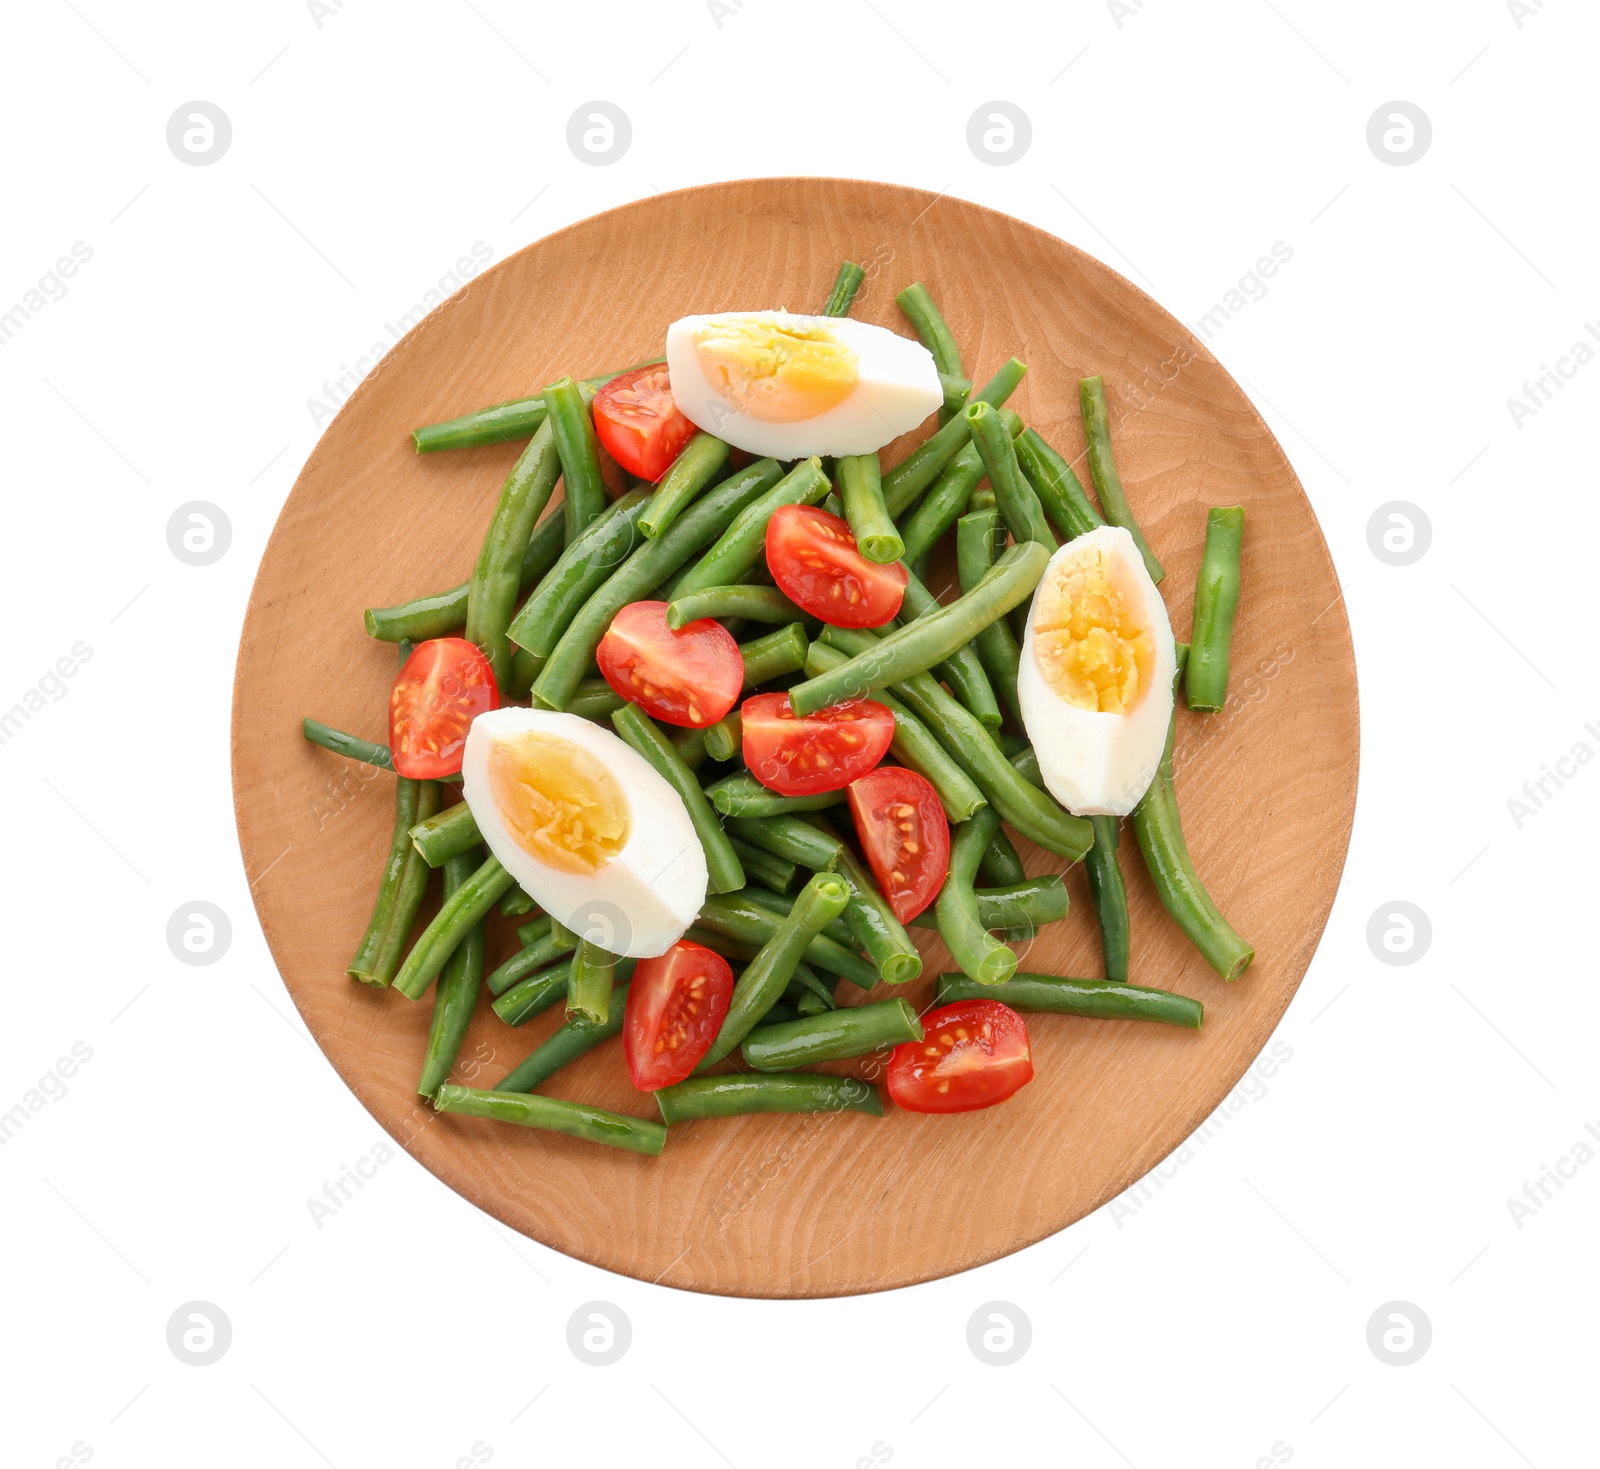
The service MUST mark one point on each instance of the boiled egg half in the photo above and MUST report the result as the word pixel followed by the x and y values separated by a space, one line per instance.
pixel 594 835
pixel 1095 682
pixel 773 383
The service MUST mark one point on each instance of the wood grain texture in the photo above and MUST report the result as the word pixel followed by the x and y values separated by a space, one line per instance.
pixel 776 1206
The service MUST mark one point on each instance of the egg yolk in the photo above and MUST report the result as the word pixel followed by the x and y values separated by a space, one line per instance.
pixel 1089 636
pixel 776 372
pixel 563 807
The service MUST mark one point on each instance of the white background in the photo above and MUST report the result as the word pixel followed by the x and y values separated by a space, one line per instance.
pixel 1225 1317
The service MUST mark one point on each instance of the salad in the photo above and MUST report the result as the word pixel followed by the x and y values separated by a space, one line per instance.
pixel 707 731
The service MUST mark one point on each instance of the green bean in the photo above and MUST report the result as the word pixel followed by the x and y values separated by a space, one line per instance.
pixel 742 538
pixel 353 747
pixel 806 1003
pixel 567 1042
pixel 764 979
pixel 755 604
pixel 934 332
pixel 535 954
pixel 737 1096
pixel 516 419
pixel 1029 809
pixel 996 645
pixel 725 738
pixel 741 794
pixel 456 996
pixel 961 670
pixel 731 949
pixel 603 545
pixel 595 699
pixel 1094 999
pixel 913 745
pixel 956 391
pixel 945 502
pixel 913 474
pixel 1103 468
pixel 465 907
pixel 641 574
pixel 832 1037
pixel 516 903
pixel 1019 505
pixel 562 934
pixel 1216 600
pixel 551 1114
pixel 690 747
pixel 445 833
pixel 443 613
pixel 695 467
pixel 812 992
pixel 492 593
pixel 534 993
pixel 589 984
pixel 374 960
pixel 774 655
pixel 982 499
pixel 562 939
pixel 572 425
pixel 861 489
pixel 738 917
pixel 1000 866
pixel 926 642
pixel 873 924
pixel 790 838
pixel 725 875
pixel 772 872
pixel 780 905
pixel 1110 896
pixel 845 286
pixel 971 945
pixel 1057 487
pixel 1017 907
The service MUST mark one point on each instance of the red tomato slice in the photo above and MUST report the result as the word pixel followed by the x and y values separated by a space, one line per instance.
pixel 813 559
pixel 972 1054
pixel 676 1005
pixel 905 835
pixel 446 684
pixel 691 677
pixel 823 752
pixel 640 425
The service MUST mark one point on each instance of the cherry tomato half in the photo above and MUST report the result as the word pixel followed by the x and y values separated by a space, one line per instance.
pixel 813 559
pixel 638 422
pixel 446 684
pixel 972 1054
pixel 824 751
pixel 905 835
pixel 691 677
pixel 676 1005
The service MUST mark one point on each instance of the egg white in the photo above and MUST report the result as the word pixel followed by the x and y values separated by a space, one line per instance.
pixel 641 902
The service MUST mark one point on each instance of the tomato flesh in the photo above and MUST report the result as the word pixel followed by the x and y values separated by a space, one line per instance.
pixel 972 1054
pixel 691 677
pixel 676 1006
pixel 813 559
pixel 637 420
pixel 823 752
pixel 905 835
pixel 446 684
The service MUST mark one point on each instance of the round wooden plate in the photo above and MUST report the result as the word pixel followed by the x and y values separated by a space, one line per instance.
pixel 803 1206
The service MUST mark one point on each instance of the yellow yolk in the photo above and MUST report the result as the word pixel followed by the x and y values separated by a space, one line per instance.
pixel 1089 637
pixel 561 804
pixel 774 372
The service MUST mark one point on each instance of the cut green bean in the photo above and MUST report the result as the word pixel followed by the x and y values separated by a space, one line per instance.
pixel 873 924
pixel 845 286
pixel 1216 600
pixel 945 502
pixel 589 984
pixel 1000 866
pixel 962 670
pixel 695 467
pixel 742 538
pixel 501 422
pixel 516 903
pixel 996 645
pixel 813 995
pixel 789 838
pixel 604 544
pixel 1103 468
pixel 568 1041
pixel 551 1114
pixel 1110 896
pixel 456 995
pixel 534 993
pixel 733 950
pixel 793 938
pixel 374 961
pixel 464 908
pixel 741 794
pixel 690 745
pixel 738 1096
pixel 774 655
pixel 725 738
pixel 934 333
pixel 738 917
pixel 583 490
pixel 1019 505
pixel 535 954
pixel 639 576
pixel 971 945
pixel 861 489
pixel 913 474
pixel 956 391
pixel 595 699
pixel 353 747
pixel 1025 905
pixel 725 875
pixel 929 640
pixel 1058 488
pixel 771 871
pixel 445 833
pixel 832 1037
pixel 1095 999
pixel 754 604
pixel 780 905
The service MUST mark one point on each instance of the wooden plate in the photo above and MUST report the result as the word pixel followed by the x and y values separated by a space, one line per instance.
pixel 800 1206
